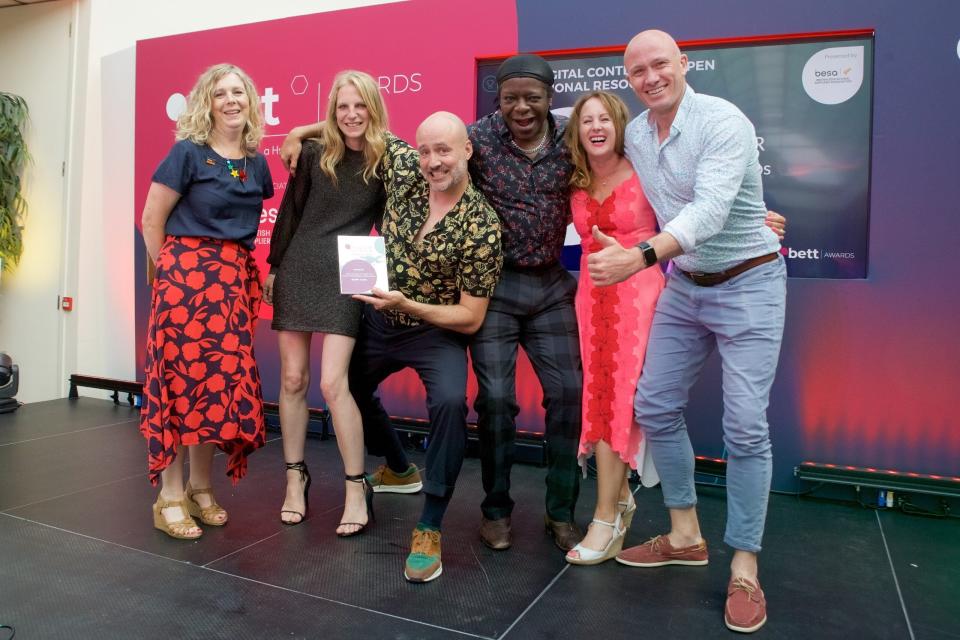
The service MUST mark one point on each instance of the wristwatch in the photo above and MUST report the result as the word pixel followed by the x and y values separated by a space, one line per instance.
pixel 649 254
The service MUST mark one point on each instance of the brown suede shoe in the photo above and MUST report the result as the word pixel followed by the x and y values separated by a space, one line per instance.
pixel 746 608
pixel 496 533
pixel 658 552
pixel 565 535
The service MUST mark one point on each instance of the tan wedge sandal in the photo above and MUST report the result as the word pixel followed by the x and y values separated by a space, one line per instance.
pixel 210 515
pixel 176 529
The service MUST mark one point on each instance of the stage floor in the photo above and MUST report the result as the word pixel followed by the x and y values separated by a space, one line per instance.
pixel 79 557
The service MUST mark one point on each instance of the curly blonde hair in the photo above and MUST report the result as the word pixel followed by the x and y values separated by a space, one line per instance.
pixel 375 141
pixel 196 123
pixel 578 156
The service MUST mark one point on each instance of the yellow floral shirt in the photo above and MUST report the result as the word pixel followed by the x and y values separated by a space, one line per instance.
pixel 461 253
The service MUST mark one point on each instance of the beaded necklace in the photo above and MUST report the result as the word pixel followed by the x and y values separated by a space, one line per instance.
pixel 235 172
pixel 239 174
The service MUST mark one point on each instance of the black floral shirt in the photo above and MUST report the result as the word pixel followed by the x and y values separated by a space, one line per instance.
pixel 461 253
pixel 532 197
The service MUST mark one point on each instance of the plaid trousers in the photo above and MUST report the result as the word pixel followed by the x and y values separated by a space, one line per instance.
pixel 532 308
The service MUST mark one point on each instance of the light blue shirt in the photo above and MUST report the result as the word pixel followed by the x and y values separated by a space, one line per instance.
pixel 704 182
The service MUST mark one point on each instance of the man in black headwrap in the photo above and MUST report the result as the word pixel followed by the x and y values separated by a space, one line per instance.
pixel 523 168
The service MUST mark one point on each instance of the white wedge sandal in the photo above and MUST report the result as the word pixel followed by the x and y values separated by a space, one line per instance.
pixel 585 556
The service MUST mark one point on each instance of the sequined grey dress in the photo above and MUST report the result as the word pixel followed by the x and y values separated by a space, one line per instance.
pixel 303 246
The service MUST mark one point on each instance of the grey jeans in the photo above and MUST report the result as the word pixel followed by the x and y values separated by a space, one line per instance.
pixel 743 319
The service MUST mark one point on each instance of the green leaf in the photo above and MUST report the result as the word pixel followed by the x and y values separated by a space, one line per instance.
pixel 14 116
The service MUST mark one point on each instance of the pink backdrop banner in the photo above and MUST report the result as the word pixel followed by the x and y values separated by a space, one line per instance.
pixel 422 52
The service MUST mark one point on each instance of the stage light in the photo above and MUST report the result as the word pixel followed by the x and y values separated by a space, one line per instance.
pixel 710 466
pixel 890 479
pixel 9 383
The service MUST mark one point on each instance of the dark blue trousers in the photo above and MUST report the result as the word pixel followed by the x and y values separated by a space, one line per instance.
pixel 439 357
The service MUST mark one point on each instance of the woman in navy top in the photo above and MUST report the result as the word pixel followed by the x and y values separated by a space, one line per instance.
pixel 200 219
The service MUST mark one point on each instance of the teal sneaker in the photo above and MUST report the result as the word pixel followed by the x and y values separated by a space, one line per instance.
pixel 423 563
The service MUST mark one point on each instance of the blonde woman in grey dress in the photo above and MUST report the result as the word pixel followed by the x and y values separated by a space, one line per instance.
pixel 335 191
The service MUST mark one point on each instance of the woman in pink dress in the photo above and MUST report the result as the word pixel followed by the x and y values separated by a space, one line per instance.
pixel 614 321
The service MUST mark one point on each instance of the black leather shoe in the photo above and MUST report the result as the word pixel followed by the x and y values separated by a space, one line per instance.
pixel 496 533
pixel 565 535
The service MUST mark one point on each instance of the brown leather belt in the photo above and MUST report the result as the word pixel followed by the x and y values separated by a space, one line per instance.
pixel 712 279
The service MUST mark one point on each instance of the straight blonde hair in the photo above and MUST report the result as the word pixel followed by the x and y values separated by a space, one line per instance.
pixel 375 142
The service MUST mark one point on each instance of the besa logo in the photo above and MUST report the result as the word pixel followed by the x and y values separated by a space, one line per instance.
pixel 801 254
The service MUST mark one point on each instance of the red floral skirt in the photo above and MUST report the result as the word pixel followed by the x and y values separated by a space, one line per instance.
pixel 202 384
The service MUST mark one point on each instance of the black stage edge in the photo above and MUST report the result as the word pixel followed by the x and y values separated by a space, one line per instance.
pixel 318 420
pixel 530 446
pixel 885 479
pixel 132 389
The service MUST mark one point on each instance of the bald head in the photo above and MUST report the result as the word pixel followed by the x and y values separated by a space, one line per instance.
pixel 443 124
pixel 444 149
pixel 656 71
pixel 654 37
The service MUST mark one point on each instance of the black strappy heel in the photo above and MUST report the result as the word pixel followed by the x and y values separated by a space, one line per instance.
pixel 304 477
pixel 368 498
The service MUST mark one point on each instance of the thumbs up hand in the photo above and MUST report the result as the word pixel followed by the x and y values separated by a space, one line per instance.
pixel 602 238
pixel 612 263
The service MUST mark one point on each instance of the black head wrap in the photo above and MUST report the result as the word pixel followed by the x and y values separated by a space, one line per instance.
pixel 525 65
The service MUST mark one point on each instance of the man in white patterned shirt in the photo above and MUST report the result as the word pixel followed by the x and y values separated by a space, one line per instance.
pixel 697 158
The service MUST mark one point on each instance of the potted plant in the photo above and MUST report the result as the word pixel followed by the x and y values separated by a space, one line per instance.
pixel 13 157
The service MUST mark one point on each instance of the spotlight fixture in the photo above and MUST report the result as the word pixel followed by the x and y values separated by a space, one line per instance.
pixel 9 383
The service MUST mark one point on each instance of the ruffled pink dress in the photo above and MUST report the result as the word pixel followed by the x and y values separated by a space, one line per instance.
pixel 614 322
